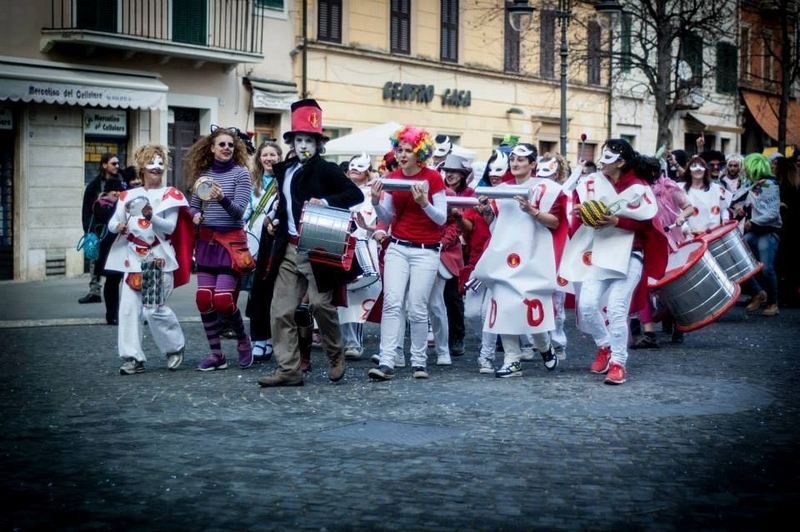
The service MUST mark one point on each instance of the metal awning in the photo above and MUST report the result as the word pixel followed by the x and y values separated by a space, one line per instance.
pixel 46 82
pixel 765 111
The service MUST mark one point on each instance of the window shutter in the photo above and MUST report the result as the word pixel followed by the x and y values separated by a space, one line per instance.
pixel 726 68
pixel 99 15
pixel 329 21
pixel 449 30
pixel 594 64
pixel 189 21
pixel 511 39
pixel 692 53
pixel 400 26
pixel 626 60
pixel 547 39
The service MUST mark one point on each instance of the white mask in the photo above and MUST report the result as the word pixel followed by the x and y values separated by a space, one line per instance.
pixel 546 168
pixel 360 163
pixel 156 165
pixel 697 168
pixel 521 150
pixel 499 166
pixel 305 145
pixel 609 156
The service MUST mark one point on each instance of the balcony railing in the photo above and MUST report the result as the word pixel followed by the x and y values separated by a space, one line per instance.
pixel 232 26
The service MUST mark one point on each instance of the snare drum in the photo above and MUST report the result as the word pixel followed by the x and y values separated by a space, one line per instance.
pixel 727 245
pixel 695 288
pixel 252 243
pixel 366 253
pixel 325 235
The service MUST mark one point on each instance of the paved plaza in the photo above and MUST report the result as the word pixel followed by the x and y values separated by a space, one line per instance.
pixel 703 436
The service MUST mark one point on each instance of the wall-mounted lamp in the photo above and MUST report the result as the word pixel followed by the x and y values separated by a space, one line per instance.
pixel 515 111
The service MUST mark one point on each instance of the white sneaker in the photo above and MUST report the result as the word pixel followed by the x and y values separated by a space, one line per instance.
pixel 353 353
pixel 509 370
pixel 444 360
pixel 485 366
pixel 175 359
pixel 420 373
pixel 560 352
pixel 399 361
pixel 528 353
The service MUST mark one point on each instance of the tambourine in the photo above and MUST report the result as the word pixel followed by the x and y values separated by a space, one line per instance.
pixel 135 206
pixel 202 188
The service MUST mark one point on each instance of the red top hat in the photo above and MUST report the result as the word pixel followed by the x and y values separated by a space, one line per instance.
pixel 306 118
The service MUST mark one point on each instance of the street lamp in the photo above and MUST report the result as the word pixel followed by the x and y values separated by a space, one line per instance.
pixel 520 16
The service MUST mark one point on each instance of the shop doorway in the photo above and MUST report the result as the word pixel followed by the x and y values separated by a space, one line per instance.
pixel 182 132
pixel 6 204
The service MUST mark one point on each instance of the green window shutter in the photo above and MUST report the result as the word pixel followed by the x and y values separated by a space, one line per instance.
pixel 626 60
pixel 98 15
pixel 274 4
pixel 726 68
pixel 189 20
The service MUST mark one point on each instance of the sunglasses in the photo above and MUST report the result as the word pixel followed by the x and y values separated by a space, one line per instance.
pixel 226 144
pixel 114 164
pixel 716 166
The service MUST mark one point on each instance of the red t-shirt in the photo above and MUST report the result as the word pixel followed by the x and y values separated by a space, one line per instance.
pixel 410 221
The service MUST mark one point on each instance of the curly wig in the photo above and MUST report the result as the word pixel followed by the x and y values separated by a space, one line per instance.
pixel 199 159
pixel 757 167
pixel 144 155
pixel 419 139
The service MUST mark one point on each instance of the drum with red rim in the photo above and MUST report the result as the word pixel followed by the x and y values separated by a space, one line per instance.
pixel 694 288
pixel 325 235
pixel 727 245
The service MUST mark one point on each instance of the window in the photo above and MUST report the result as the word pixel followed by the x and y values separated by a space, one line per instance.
pixel 189 21
pixel 626 60
pixel 692 53
pixel 745 51
pixel 511 40
pixel 449 30
pixel 631 139
pixel 546 146
pixel 726 68
pixel 595 53
pixel 400 27
pixel 547 43
pixel 272 4
pixel 99 15
pixel 329 21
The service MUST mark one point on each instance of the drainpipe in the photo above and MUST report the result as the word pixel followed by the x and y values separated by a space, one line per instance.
pixel 305 50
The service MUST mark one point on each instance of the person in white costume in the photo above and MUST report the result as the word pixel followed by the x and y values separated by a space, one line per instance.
pixel 609 259
pixel 360 300
pixel 711 200
pixel 147 224
pixel 520 272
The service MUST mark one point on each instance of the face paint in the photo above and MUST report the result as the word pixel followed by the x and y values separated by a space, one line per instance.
pixel 156 165
pixel 305 145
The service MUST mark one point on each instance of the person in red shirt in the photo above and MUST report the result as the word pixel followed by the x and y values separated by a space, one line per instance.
pixel 417 217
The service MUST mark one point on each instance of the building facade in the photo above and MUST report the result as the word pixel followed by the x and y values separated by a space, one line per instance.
pixel 82 77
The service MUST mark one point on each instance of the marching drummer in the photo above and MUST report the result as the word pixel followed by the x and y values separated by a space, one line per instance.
pixel 611 253
pixel 710 200
pixel 305 177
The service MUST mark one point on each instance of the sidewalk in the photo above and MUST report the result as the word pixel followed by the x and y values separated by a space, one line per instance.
pixel 55 302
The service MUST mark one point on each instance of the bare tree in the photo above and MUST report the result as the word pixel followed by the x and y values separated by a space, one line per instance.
pixel 664 43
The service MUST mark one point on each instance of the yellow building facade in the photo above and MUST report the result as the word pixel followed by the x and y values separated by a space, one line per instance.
pixel 454 67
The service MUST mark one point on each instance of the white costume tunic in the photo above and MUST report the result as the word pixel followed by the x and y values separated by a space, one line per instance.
pixel 518 265
pixel 126 256
pixel 710 208
pixel 361 300
pixel 604 253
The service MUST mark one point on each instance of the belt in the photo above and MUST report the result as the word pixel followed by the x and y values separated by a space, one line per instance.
pixel 294 240
pixel 416 245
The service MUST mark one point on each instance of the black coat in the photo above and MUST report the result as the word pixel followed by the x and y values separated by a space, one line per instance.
pixel 319 179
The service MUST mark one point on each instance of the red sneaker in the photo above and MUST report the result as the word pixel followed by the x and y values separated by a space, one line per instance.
pixel 616 374
pixel 602 361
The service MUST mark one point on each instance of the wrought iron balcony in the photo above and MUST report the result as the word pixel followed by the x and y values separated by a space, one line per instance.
pixel 219 31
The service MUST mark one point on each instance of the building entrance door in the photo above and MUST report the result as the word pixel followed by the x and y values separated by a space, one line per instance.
pixel 182 132
pixel 6 204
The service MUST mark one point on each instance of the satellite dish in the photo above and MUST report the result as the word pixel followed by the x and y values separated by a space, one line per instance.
pixel 684 70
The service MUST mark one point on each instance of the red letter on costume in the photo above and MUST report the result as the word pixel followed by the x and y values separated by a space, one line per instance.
pixel 535 311
pixel 492 313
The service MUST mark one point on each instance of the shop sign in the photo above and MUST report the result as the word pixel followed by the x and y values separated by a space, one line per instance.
pixel 406 92
pixel 6 118
pixel 105 123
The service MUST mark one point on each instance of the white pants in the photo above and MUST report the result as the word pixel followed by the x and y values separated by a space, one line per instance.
pixel 164 326
pixel 619 293
pixel 402 265
pixel 558 336
pixel 511 345
pixel 438 315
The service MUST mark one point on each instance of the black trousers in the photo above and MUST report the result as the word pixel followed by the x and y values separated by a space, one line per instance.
pixel 455 309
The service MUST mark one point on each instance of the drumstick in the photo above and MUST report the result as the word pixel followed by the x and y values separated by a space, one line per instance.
pixel 668 228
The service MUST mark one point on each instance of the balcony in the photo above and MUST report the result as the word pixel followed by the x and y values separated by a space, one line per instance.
pixel 225 32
